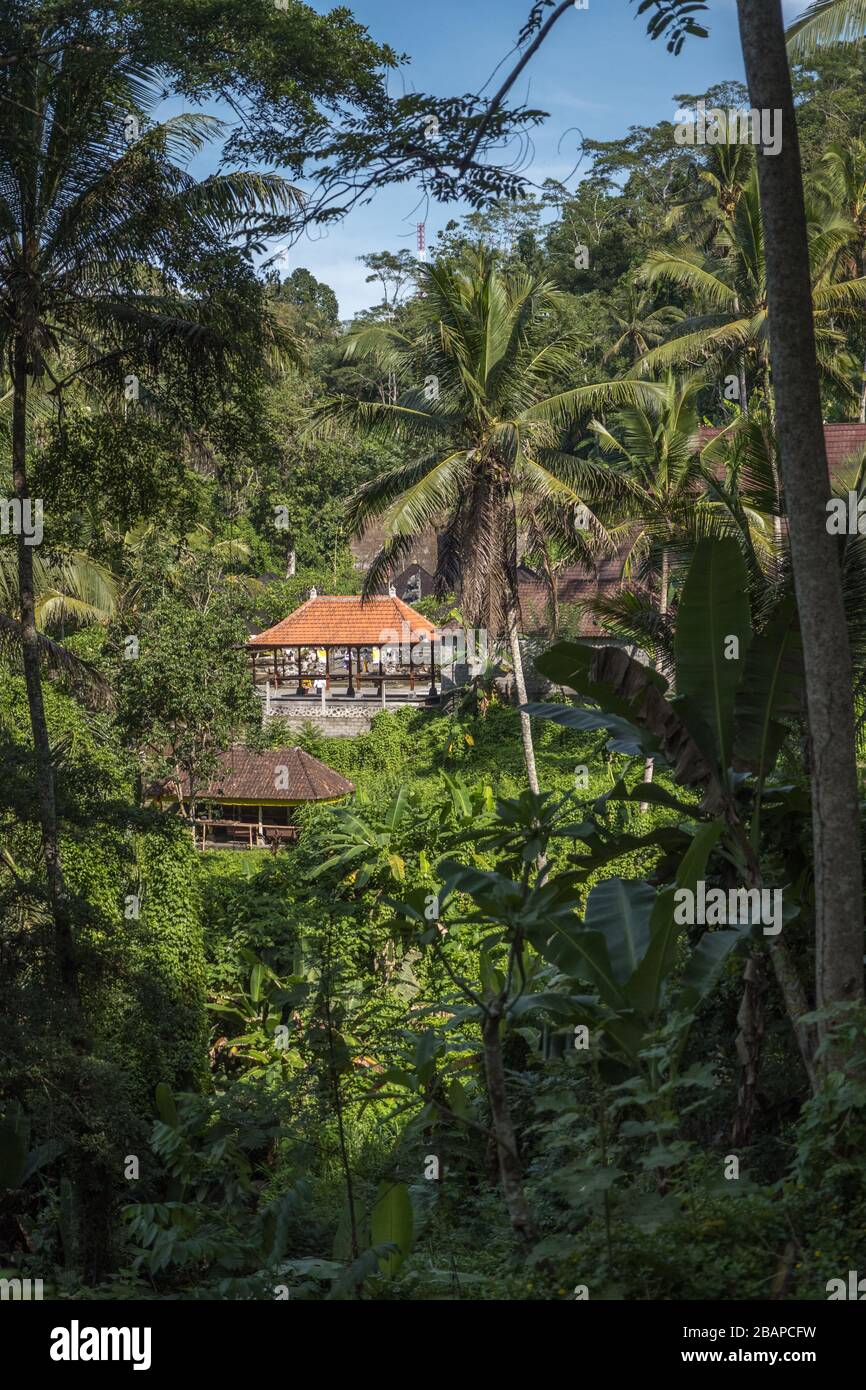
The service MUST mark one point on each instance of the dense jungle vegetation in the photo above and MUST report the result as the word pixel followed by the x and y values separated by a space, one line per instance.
pixel 459 1041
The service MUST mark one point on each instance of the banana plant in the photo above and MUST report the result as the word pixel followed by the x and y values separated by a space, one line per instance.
pixel 735 690
pixel 18 1162
pixel 362 844
pixel 608 968
pixel 260 1011
pixel 624 947
pixel 367 845
pixel 738 691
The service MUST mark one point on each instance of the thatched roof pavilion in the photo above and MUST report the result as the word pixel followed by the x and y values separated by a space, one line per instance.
pixel 249 801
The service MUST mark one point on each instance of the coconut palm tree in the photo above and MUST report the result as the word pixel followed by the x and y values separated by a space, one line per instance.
pixel 71 590
pixel 826 646
pixel 842 175
pixel 484 430
pixel 100 237
pixel 654 447
pixel 716 189
pixel 545 552
pixel 642 325
pixel 824 22
pixel 685 494
pixel 729 329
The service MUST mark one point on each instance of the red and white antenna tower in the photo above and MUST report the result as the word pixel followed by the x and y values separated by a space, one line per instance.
pixel 422 242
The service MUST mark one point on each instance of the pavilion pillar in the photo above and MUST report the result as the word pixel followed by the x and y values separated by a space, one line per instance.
pixel 328 668
pixel 350 691
pixel 300 689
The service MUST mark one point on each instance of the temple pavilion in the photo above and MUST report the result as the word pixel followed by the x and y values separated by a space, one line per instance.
pixel 349 648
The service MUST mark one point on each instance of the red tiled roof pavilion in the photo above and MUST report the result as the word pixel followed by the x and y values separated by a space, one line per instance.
pixel 325 623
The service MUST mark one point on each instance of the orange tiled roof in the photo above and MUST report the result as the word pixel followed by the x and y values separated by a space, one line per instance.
pixel 346 622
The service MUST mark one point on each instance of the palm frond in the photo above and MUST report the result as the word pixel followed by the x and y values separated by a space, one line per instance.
pixel 89 684
pixel 826 22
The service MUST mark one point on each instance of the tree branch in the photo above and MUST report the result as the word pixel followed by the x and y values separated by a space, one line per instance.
pixel 510 81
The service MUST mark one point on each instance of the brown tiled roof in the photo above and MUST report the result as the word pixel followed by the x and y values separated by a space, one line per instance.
pixel 346 622
pixel 247 776
pixel 842 441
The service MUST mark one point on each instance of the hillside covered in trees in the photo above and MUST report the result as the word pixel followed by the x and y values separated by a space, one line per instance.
pixel 555 990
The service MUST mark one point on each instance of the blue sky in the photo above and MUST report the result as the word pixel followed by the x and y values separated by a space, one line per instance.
pixel 598 70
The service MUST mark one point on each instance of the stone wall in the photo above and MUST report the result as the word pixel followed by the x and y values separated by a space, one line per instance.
pixel 423 551
pixel 341 721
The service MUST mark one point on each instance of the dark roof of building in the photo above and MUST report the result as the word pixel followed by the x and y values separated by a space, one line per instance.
pixel 278 774
pixel 574 584
pixel 577 584
pixel 842 439
pixel 346 622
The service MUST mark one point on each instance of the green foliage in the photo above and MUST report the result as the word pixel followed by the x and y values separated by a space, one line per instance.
pixel 727 710
pixel 341 1050
pixel 212 1220
pixel 184 692
pixel 391 1224
pixel 713 610
pixel 18 1161
pixel 316 301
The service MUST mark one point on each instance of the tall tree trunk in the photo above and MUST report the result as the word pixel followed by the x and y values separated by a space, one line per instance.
pixel 797 1006
pixel 751 1018
pixel 45 790
pixel 553 592
pixel 815 559
pixel 649 765
pixel 751 1015
pixel 744 390
pixel 520 687
pixel 510 1174
pixel 92 1181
